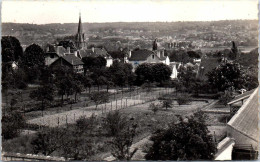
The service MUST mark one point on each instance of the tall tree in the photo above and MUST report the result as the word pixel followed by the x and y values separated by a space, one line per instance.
pixel 43 94
pixel 33 56
pixel 11 49
pixel 226 76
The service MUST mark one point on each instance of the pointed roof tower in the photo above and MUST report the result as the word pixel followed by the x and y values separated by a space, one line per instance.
pixel 80 40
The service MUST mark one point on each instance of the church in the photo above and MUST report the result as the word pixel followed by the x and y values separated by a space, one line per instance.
pixel 70 53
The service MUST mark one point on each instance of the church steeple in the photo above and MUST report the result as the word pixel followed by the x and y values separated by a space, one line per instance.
pixel 80 40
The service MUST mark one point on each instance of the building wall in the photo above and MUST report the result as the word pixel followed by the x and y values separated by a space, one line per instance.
pixel 49 60
pixel 240 138
pixel 109 62
pixel 60 62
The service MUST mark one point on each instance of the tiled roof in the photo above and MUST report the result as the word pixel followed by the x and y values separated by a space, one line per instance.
pixel 73 60
pixel 97 52
pixel 242 96
pixel 246 118
pixel 140 55
pixel 207 64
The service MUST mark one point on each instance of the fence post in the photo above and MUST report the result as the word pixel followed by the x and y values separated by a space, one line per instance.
pixel 126 102
pixel 121 103
pixel 116 104
pixel 67 121
pixel 74 117
pixel 111 105
pixel 58 121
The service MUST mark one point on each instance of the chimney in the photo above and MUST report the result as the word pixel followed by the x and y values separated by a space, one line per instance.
pixel 130 53
pixel 158 53
pixel 93 49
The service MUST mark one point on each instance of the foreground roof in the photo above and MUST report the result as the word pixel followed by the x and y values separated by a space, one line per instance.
pixel 241 97
pixel 246 118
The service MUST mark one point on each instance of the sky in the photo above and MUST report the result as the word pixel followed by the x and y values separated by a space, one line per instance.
pixel 67 11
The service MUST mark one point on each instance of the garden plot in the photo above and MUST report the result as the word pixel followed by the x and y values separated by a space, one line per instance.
pixel 69 117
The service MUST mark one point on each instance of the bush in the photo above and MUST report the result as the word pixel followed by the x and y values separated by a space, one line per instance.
pixel 154 107
pixel 12 125
pixel 183 99
pixel 85 124
pixel 185 140
pixel 114 122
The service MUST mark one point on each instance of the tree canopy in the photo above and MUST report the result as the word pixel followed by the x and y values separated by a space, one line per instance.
pixel 33 56
pixel 173 144
pixel 225 76
pixel 11 49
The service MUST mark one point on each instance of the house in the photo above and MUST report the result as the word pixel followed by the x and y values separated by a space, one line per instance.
pixel 95 52
pixel 243 126
pixel 242 138
pixel 238 101
pixel 70 61
pixel 53 52
pixel 142 56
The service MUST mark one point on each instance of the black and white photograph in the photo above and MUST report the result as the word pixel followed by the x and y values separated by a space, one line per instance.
pixel 129 80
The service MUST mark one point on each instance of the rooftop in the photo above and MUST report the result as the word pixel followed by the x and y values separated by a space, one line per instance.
pixel 246 118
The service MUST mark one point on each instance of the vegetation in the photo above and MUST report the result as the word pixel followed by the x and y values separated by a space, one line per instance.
pixel 12 125
pixel 173 144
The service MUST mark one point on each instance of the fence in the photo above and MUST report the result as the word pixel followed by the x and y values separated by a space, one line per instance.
pixel 68 117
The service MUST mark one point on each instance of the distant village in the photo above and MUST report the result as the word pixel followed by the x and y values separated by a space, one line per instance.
pixel 167 99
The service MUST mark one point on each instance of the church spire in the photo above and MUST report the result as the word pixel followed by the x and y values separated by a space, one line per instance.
pixel 80 40
pixel 80 25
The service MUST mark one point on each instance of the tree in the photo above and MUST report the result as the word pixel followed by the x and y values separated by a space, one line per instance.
pixel 184 140
pixel 87 82
pixel 225 76
pixel 47 141
pixel 121 143
pixel 183 99
pixel 226 97
pixel 187 76
pixel 84 124
pixel 144 73
pixel 12 125
pixel 11 49
pixel 154 107
pixel 114 122
pixel 161 72
pixel 99 97
pixel 167 103
pixel 33 56
pixel 43 94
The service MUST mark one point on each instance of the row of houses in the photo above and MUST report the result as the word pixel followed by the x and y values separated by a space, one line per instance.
pixel 58 55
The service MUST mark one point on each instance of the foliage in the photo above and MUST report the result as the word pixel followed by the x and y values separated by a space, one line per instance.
pixel 47 141
pixel 154 107
pixel 121 143
pixel 121 73
pixel 226 76
pixel 183 99
pixel 161 72
pixel 11 49
pixel 84 124
pixel 152 72
pixel 226 97
pixel 99 97
pixel 173 144
pixel 94 62
pixel 167 103
pixel 12 125
pixel 114 122
pixel 194 54
pixel 179 56
pixel 187 76
pixel 33 56
pixel 44 94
